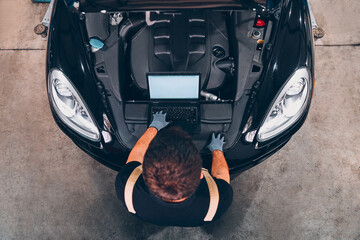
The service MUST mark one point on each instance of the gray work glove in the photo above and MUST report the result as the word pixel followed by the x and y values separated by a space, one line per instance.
pixel 159 121
pixel 216 143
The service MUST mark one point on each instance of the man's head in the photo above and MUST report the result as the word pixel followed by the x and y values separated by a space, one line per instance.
pixel 172 165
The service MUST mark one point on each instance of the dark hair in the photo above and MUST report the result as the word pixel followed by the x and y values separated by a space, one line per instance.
pixel 172 165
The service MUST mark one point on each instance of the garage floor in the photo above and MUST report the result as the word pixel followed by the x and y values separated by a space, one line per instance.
pixel 49 189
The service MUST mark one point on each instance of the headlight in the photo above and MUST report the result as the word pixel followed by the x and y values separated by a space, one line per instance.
pixel 288 106
pixel 70 107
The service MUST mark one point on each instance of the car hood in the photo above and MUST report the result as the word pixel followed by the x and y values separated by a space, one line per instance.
pixel 118 5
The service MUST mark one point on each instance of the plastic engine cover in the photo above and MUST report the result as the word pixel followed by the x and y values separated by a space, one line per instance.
pixel 181 42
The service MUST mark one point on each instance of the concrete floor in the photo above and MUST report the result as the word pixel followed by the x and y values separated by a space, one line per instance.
pixel 49 189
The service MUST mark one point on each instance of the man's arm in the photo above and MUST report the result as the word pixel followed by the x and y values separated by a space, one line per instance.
pixel 219 167
pixel 141 146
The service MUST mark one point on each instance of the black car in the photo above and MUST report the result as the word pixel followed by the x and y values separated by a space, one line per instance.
pixel 247 65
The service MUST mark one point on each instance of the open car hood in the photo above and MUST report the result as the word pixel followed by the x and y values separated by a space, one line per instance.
pixel 119 5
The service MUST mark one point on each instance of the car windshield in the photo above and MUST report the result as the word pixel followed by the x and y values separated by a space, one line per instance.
pixel 118 5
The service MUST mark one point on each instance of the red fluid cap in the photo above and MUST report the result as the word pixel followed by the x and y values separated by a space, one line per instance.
pixel 260 23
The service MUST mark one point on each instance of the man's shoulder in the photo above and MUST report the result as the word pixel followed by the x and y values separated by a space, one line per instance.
pixel 222 183
pixel 122 178
pixel 225 196
pixel 225 189
pixel 129 167
pixel 126 171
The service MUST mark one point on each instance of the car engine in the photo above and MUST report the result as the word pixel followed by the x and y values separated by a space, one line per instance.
pixel 187 42
pixel 224 47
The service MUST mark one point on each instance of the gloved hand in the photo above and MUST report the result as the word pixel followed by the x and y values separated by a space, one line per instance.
pixel 159 121
pixel 216 143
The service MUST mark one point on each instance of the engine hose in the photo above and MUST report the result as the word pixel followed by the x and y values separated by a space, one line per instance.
pixel 210 97
pixel 130 24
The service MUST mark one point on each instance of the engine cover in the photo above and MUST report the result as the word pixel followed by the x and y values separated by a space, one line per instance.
pixel 181 42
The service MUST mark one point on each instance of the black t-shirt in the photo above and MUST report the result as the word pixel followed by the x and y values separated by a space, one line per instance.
pixel 190 212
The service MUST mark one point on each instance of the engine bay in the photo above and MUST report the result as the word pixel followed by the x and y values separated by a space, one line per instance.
pixel 180 42
pixel 224 47
pixel 202 42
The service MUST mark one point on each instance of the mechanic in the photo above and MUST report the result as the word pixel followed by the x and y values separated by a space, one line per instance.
pixel 174 190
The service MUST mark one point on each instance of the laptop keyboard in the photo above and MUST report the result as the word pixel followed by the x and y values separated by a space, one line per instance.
pixel 188 114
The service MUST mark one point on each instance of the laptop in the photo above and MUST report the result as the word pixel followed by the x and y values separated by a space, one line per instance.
pixel 177 95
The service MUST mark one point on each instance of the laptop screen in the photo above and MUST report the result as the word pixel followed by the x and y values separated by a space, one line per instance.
pixel 177 86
